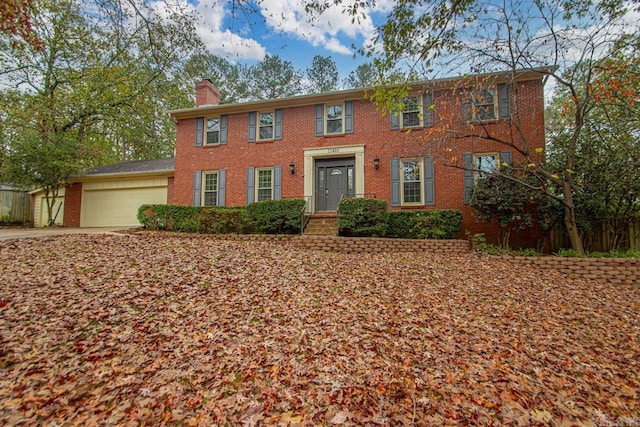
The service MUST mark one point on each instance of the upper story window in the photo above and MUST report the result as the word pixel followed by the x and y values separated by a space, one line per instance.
pixel 411 181
pixel 485 164
pixel 210 188
pixel 487 104
pixel 265 126
pixel 213 131
pixel 417 111
pixel 411 115
pixel 334 117
pixel 483 104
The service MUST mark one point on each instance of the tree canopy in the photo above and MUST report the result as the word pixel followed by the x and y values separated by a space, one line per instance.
pixel 70 102
pixel 322 75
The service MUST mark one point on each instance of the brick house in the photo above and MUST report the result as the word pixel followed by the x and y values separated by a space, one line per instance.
pixel 326 146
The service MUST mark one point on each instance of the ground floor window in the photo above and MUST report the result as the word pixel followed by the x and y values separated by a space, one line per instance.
pixel 411 181
pixel 210 189
pixel 264 185
pixel 486 163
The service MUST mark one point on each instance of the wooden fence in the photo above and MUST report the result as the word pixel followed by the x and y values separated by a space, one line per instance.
pixel 598 240
pixel 15 206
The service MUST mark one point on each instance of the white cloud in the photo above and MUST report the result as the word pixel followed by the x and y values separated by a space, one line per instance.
pixel 209 27
pixel 289 17
pixel 224 42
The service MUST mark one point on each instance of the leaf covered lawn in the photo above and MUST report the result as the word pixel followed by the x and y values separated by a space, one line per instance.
pixel 155 329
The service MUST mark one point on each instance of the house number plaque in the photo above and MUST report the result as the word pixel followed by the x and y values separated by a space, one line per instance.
pixel 333 150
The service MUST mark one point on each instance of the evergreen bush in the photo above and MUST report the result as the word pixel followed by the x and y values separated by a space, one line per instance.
pixel 362 217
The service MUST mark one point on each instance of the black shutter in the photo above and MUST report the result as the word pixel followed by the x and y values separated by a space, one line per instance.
pixel 278 125
pixel 251 180
pixel 395 182
pixel 252 126
pixel 222 186
pixel 197 187
pixel 199 131
pixel 223 130
pixel 504 101
pixel 319 119
pixel 429 182
pixel 348 117
pixel 277 182
pixel 467 162
pixel 505 157
pixel 395 119
pixel 428 111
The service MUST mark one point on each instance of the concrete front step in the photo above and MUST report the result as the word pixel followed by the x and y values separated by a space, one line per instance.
pixel 322 226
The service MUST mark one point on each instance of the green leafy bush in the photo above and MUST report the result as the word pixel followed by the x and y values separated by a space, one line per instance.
pixel 402 224
pixel 439 224
pixel 193 219
pixel 224 220
pixel 169 217
pixel 433 224
pixel 276 216
pixel 479 243
pixel 362 218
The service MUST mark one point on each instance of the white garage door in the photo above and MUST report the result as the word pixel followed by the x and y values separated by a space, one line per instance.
pixel 118 207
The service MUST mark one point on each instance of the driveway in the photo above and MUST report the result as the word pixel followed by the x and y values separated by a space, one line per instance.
pixel 22 233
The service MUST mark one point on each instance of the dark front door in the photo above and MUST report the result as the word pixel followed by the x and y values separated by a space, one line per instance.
pixel 334 180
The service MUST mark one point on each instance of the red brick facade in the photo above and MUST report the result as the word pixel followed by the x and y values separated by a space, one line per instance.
pixel 371 131
pixel 72 205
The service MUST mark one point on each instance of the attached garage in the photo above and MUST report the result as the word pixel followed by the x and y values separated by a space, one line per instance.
pixel 110 196
pixel 116 203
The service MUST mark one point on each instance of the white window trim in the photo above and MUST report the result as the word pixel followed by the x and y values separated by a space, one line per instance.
pixel 473 109
pixel 326 118
pixel 257 182
pixel 273 125
pixel 204 186
pixel 206 127
pixel 420 114
pixel 421 181
pixel 477 172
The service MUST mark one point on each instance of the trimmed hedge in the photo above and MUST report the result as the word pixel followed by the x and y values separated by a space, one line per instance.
pixel 362 218
pixel 439 224
pixel 276 216
pixel 432 224
pixel 369 218
pixel 269 217
pixel 194 219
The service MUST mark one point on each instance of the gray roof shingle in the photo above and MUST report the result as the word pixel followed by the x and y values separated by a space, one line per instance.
pixel 134 167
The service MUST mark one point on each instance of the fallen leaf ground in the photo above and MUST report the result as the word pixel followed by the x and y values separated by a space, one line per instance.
pixel 155 329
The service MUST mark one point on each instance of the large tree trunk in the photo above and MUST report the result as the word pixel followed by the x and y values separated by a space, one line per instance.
pixel 570 219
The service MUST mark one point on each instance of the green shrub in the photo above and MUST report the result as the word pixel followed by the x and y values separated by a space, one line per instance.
pixel 276 216
pixel 169 217
pixel 479 243
pixel 362 218
pixel 224 220
pixel 193 219
pixel 402 224
pixel 439 224
pixel 434 224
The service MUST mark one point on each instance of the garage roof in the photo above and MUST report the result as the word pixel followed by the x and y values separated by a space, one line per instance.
pixel 133 168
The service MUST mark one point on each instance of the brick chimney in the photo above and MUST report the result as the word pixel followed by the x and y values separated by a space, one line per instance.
pixel 206 93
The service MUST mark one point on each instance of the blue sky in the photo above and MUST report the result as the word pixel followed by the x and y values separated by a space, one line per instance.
pixel 281 27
